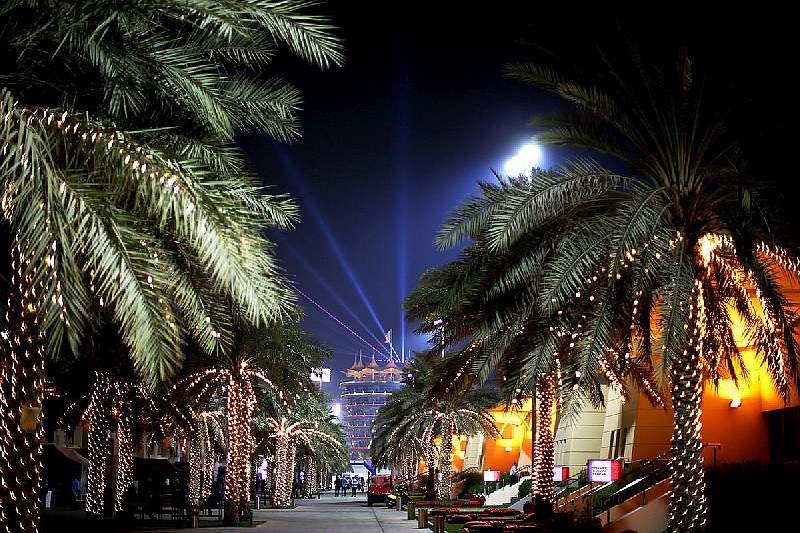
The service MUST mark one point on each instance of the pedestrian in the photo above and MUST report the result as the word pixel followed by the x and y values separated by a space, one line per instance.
pixel 76 490
pixel 345 486
pixel 337 485
pixel 513 473
pixel 354 486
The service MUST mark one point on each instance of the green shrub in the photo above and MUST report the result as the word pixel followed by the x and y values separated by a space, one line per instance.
pixel 525 488
pixel 473 483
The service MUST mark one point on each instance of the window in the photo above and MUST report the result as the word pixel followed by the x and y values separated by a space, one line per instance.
pixel 616 443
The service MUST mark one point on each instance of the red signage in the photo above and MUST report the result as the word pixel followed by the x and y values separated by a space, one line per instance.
pixel 604 470
pixel 561 473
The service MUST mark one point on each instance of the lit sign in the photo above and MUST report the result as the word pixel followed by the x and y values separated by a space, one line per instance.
pixel 321 375
pixel 561 473
pixel 604 470
pixel 491 475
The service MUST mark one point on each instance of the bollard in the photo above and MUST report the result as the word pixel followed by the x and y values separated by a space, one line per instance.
pixel 422 519
pixel 399 503
pixel 438 523
pixel 411 514
pixel 195 518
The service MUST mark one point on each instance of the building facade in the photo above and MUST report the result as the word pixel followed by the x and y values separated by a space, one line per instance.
pixel 363 393
pixel 744 421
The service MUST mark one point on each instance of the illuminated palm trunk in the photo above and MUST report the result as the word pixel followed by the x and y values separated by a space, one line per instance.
pixel 291 465
pixel 284 471
pixel 124 473
pixel 208 477
pixel 241 400
pixel 445 464
pixel 429 456
pixel 407 468
pixel 197 464
pixel 544 450
pixel 21 394
pixel 99 445
pixel 310 481
pixel 687 506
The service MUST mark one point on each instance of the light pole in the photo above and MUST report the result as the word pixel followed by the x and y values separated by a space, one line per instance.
pixel 440 323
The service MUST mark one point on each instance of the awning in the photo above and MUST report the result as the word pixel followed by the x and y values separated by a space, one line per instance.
pixel 71 453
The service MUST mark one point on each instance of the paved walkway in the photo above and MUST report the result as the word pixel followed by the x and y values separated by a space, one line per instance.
pixel 328 514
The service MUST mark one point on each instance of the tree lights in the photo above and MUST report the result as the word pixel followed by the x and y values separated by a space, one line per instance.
pixel 543 452
pixel 286 434
pixel 205 437
pixel 21 387
pixel 239 411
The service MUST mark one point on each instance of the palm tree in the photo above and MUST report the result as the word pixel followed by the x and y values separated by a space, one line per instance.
pixel 657 255
pixel 207 439
pixel 288 432
pixel 278 358
pixel 133 199
pixel 487 302
pixel 409 423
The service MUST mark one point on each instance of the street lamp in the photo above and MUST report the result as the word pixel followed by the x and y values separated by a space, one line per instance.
pixel 440 324
pixel 521 164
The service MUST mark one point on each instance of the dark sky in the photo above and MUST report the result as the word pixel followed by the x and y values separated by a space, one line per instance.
pixel 395 138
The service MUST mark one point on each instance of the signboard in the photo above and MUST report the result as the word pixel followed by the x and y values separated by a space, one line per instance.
pixel 321 375
pixel 491 475
pixel 604 470
pixel 561 473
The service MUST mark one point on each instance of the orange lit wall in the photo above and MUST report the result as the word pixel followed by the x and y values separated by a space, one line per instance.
pixel 501 453
pixel 742 431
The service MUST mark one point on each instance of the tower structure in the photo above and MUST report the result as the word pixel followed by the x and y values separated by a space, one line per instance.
pixel 366 389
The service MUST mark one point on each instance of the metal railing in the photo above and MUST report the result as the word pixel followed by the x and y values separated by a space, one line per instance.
pixel 507 479
pixel 635 481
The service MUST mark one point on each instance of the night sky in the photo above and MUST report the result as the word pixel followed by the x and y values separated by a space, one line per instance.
pixel 420 112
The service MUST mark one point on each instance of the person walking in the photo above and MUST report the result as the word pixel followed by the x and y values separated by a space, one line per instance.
pixel 345 486
pixel 354 486
pixel 513 473
pixel 337 486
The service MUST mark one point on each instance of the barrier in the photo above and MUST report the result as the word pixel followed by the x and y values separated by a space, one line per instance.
pixel 422 519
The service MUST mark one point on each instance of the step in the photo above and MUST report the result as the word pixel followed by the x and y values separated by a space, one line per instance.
pixel 642 512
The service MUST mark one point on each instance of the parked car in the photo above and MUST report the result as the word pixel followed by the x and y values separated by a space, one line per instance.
pixel 379 487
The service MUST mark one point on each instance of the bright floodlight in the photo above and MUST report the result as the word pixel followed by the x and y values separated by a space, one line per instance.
pixel 523 162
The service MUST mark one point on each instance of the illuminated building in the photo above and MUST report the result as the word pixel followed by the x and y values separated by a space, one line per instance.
pixel 362 394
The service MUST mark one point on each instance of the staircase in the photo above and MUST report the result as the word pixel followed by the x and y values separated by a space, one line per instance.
pixel 504 495
pixel 648 511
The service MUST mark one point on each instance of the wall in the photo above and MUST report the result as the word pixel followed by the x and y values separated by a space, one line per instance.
pixel 501 453
pixel 578 439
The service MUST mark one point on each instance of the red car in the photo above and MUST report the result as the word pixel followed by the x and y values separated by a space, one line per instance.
pixel 379 487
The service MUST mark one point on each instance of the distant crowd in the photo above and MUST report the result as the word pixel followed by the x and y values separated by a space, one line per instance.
pixel 351 484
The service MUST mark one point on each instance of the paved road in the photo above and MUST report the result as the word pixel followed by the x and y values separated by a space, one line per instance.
pixel 329 515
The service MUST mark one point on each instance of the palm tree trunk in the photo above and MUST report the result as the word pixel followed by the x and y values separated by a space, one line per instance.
pixel 197 463
pixel 100 451
pixel 544 450
pixel 687 506
pixel 237 474
pixel 310 481
pixel 443 488
pixel 430 464
pixel 284 470
pixel 124 474
pixel 21 394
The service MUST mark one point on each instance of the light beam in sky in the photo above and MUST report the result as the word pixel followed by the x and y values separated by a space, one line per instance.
pixel 327 233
